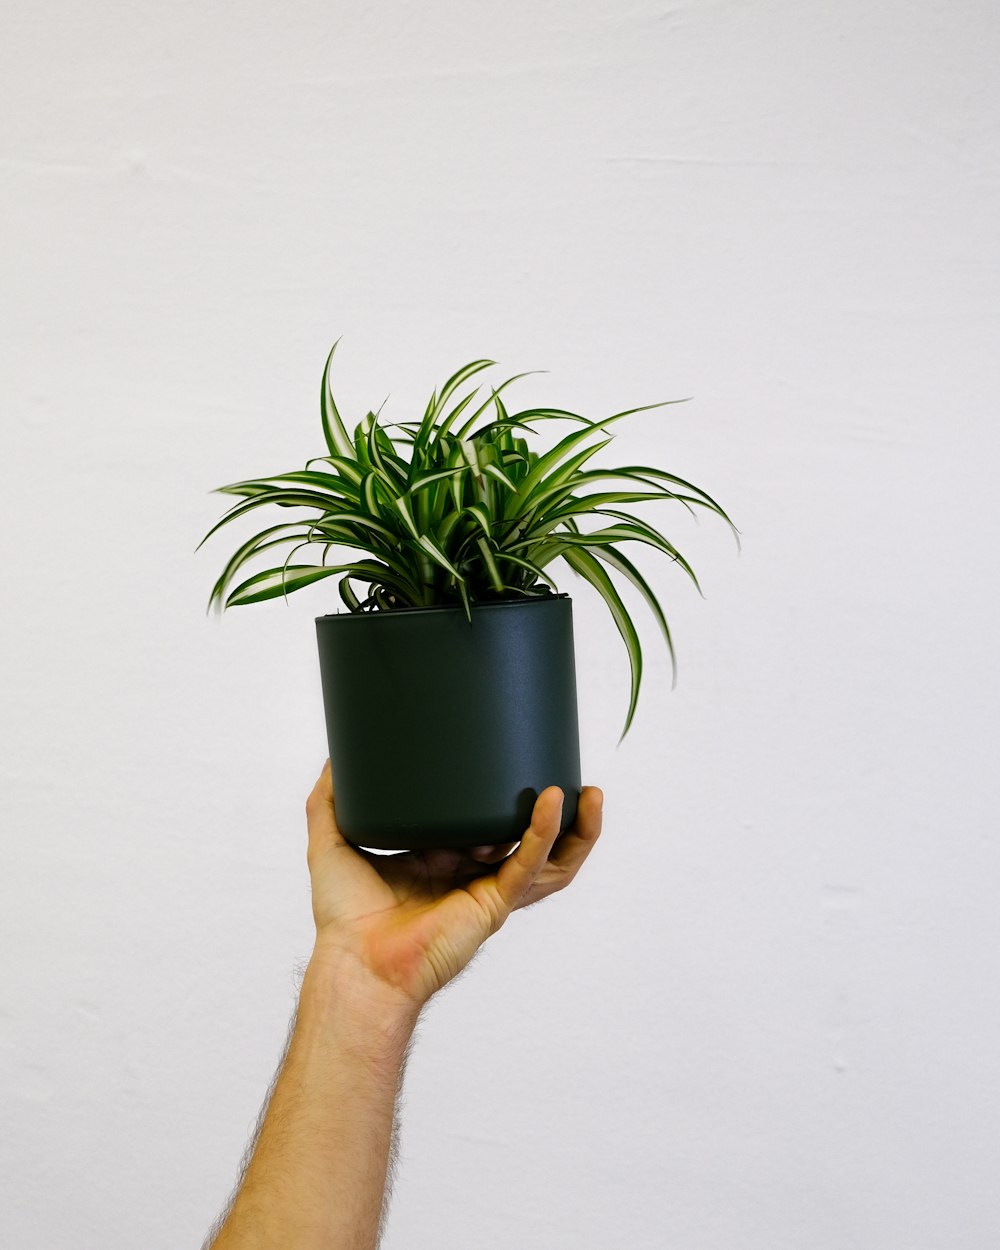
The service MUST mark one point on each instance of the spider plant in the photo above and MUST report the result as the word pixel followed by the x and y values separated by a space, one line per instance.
pixel 459 516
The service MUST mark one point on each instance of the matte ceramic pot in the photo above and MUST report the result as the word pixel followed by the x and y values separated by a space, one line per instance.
pixel 442 732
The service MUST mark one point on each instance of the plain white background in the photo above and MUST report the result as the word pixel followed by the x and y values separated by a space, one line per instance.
pixel 766 1017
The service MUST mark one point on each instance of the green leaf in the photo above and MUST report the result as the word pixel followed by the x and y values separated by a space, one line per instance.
pixel 551 458
pixel 348 468
pixel 288 498
pixel 494 470
pixel 339 488
pixel 456 460
pixel 494 399
pixel 637 531
pixel 543 470
pixel 444 530
pixel 436 554
pixel 587 505
pixel 246 489
pixel 369 493
pixel 670 477
pixel 648 534
pixel 274 582
pixel 558 482
pixel 405 510
pixel 463 591
pixel 589 567
pixel 385 463
pixel 399 583
pixel 246 552
pixel 504 424
pixel 394 555
pixel 598 475
pixel 525 563
pixel 333 427
pixel 363 519
pixel 501 427
pixel 471 454
pixel 442 427
pixel 479 513
pixel 421 483
pixel 459 378
pixel 618 561
pixel 361 447
pixel 549 414
pixel 491 567
pixel 455 381
pixel 348 595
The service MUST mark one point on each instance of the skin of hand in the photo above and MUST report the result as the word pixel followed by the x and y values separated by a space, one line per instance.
pixel 410 922
pixel 391 930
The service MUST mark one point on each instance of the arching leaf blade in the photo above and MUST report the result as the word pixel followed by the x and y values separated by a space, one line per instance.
pixel 620 562
pixel 439 557
pixel 246 552
pixel 337 439
pixel 590 568
pixel 271 583
pixel 523 562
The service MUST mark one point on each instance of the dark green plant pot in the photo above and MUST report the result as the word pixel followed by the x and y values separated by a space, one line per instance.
pixel 443 733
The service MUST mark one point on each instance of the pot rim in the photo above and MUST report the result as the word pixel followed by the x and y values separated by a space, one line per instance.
pixel 441 607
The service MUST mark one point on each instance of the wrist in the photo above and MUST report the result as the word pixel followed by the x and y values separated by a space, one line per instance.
pixel 339 994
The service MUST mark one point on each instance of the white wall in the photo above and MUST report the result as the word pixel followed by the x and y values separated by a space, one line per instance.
pixel 767 1015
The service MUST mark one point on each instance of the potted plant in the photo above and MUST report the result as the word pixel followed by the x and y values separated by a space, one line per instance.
pixel 450 686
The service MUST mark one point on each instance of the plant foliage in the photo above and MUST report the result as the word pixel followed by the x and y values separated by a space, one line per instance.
pixel 448 514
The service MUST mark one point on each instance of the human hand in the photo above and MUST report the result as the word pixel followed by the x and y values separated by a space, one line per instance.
pixel 411 922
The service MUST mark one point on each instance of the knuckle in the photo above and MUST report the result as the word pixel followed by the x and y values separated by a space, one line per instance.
pixel 496 914
pixel 497 919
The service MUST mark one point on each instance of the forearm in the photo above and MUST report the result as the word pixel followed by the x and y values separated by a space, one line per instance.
pixel 316 1178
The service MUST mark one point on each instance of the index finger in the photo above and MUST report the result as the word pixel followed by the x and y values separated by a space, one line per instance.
pixel 571 848
pixel 518 871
